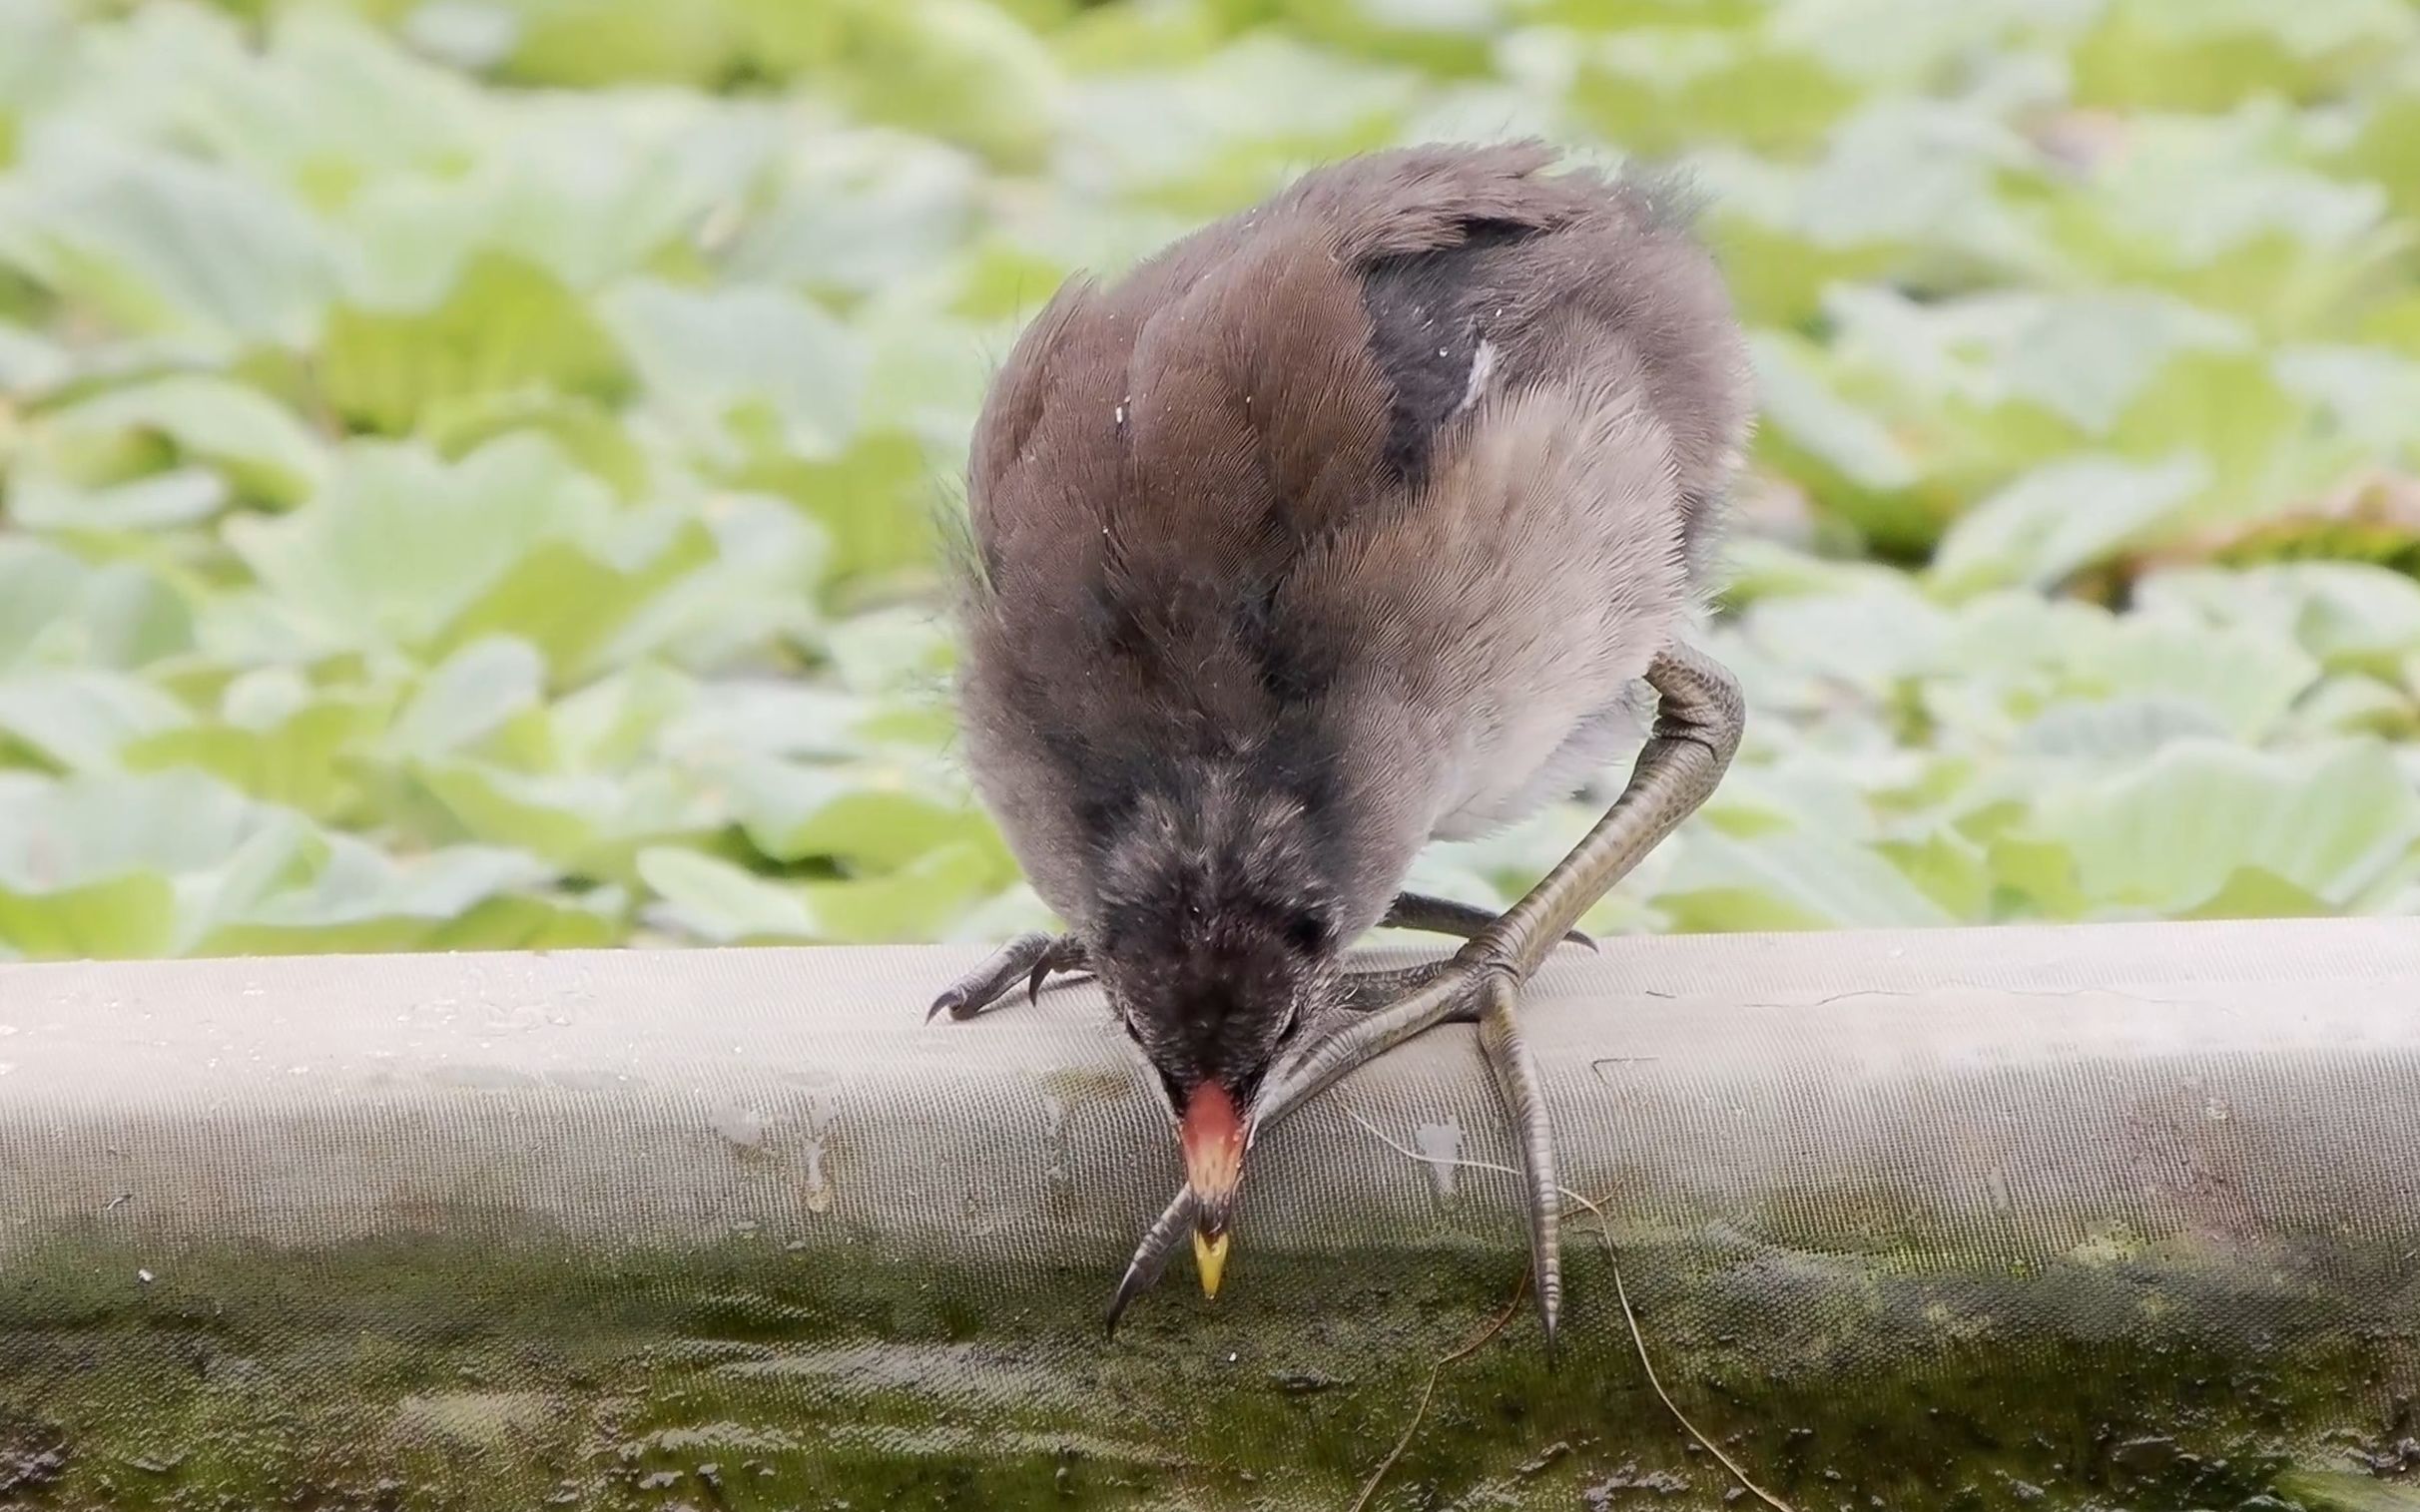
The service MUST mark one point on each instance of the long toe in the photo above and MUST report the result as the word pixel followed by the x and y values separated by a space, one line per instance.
pixel 1506 1052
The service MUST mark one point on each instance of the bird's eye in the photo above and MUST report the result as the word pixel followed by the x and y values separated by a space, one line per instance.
pixel 1307 932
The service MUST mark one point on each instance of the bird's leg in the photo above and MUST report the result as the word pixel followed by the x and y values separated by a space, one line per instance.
pixel 1413 910
pixel 1028 958
pixel 1418 910
pixel 1699 719
pixel 1365 990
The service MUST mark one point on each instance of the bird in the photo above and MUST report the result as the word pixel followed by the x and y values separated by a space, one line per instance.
pixel 1376 514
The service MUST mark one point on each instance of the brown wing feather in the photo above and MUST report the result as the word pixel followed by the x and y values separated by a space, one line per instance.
pixel 1226 506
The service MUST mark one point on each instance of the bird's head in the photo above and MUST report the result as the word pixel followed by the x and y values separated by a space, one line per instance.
pixel 1216 939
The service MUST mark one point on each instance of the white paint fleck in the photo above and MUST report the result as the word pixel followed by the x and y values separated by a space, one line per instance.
pixel 815 1187
pixel 145 1277
pixel 1440 1146
pixel 741 1126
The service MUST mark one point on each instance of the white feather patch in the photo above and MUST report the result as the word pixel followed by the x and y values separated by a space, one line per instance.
pixel 1482 363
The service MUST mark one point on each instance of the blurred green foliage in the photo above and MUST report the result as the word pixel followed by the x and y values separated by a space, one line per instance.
pixel 468 463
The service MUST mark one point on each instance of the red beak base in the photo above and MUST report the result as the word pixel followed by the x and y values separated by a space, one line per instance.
pixel 1211 1135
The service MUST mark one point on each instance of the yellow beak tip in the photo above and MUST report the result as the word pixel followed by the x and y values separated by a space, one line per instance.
pixel 1210 1256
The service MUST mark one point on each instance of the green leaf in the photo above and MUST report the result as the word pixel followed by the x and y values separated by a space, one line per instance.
pixel 719 903
pixel 37 585
pixel 757 590
pixel 590 434
pixel 301 762
pixel 468 695
pixel 399 547
pixel 358 899
pixel 867 820
pixel 505 327
pixel 1848 459
pixel 959 69
pixel 71 852
pixel 2345 615
pixel 2173 835
pixel 2061 517
pixel 569 601
pixel 260 447
pixel 586 824
pixel 161 244
pixel 1948 868
pixel 859 212
pixel 1207 138
pixel 742 370
pixel 2246 679
pixel 873 501
pixel 2106 734
pixel 2216 208
pixel 162 501
pixel 617 721
pixel 598 42
pixel 2204 55
pixel 29 364
pixel 55 611
pixel 1659 90
pixel 82 721
pixel 123 918
pixel 740 719
pixel 1798 879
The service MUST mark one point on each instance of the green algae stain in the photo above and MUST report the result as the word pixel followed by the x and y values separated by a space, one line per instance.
pixel 481 1369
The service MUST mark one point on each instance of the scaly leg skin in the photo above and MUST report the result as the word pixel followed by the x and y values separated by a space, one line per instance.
pixel 1416 910
pixel 1031 958
pixel 1698 722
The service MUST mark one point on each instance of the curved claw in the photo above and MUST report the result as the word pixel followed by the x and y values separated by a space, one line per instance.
pixel 1506 1052
pixel 1151 1256
pixel 953 1002
pixel 1034 983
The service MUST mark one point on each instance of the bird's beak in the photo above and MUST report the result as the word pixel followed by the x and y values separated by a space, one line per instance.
pixel 1211 1132
pixel 1210 1256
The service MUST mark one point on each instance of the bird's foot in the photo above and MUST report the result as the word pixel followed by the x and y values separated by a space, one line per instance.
pixel 1030 958
pixel 1384 1009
